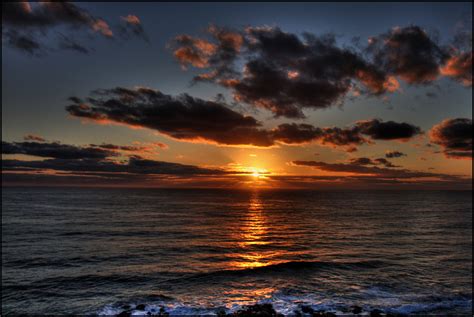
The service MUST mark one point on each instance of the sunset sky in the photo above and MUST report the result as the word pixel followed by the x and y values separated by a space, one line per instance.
pixel 279 95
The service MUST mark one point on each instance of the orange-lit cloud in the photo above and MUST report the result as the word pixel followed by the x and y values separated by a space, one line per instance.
pixel 459 67
pixel 455 137
pixel 132 19
pixel 102 27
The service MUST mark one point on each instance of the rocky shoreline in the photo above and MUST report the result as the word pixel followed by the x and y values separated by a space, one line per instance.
pixel 262 310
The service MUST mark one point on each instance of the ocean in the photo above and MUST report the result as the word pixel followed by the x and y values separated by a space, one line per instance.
pixel 201 251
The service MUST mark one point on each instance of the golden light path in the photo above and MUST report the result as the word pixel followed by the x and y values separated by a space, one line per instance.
pixel 254 233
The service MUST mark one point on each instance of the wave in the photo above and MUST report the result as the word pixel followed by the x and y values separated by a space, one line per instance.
pixel 284 268
pixel 286 305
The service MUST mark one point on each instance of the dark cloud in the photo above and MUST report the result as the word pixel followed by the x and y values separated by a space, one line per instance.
pixel 25 25
pixel 33 137
pixel 376 171
pixel 304 133
pixel 109 146
pixel 33 15
pixel 22 41
pixel 67 43
pixel 408 52
pixel 182 117
pixel 286 73
pixel 282 72
pixel 194 119
pixel 389 130
pixel 368 161
pixel 55 150
pixel 385 162
pixel 454 136
pixel 101 163
pixel 96 165
pixel 135 165
pixel 394 154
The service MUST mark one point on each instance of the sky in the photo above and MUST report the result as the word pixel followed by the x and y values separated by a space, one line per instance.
pixel 240 95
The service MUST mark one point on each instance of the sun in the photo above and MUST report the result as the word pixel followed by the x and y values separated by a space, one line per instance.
pixel 256 174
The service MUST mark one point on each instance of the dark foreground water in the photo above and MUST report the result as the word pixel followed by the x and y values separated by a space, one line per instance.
pixel 195 251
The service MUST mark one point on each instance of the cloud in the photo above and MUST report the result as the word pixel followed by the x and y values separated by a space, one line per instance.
pixel 408 52
pixel 128 148
pixel 49 14
pixel 355 167
pixel 26 26
pixel 192 119
pixel 135 165
pixel 459 67
pixel 368 161
pixel 102 163
pixel 84 169
pixel 304 133
pixel 389 130
pixel 454 136
pixel 136 171
pixel 23 14
pixel 67 43
pixel 138 148
pixel 384 162
pixel 394 154
pixel 132 25
pixel 195 52
pixel 282 72
pixel 161 145
pixel 33 137
pixel 24 42
pixel 182 117
pixel 55 150
pixel 286 73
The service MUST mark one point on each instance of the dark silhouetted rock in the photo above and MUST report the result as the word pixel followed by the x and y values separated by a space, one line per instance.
pixel 356 309
pixel 221 313
pixel 323 314
pixel 125 313
pixel 376 313
pixel 162 312
pixel 307 309
pixel 140 307
pixel 256 310
pixel 297 313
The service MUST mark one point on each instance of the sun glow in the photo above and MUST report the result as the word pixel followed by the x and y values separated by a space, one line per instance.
pixel 258 172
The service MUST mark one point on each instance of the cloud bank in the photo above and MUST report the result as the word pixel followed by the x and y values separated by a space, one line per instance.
pixel 192 119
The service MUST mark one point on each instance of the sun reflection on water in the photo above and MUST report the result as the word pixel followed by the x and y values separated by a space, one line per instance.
pixel 246 293
pixel 254 235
